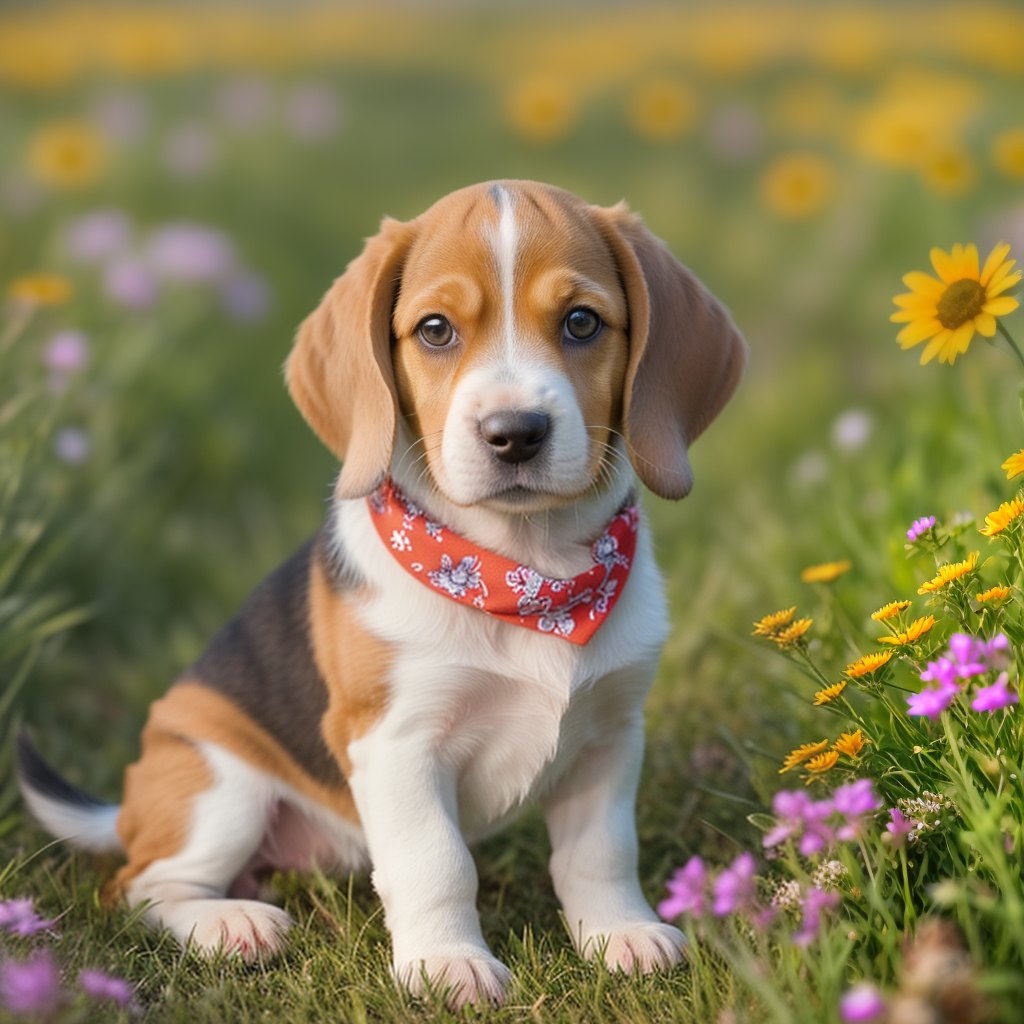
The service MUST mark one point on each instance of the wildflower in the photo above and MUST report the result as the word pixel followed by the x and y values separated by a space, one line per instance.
pixel 913 632
pixel 787 895
pixel 991 698
pixel 995 594
pixel 854 801
pixel 793 634
pixel 803 819
pixel 829 693
pixel 662 109
pixel 801 754
pixel 863 1002
pixel 244 103
pixel 734 887
pixel 851 430
pixel 887 611
pixel 541 108
pixel 899 828
pixel 1004 516
pixel 949 572
pixel 312 112
pixel 102 986
pixel 827 875
pixel 66 354
pixel 931 703
pixel 1014 465
pixel 798 185
pixel 121 116
pixel 19 917
pixel 771 624
pixel 823 762
pixel 868 664
pixel 186 251
pixel 918 528
pixel 1008 152
pixel 71 445
pixel 67 154
pixel 849 743
pixel 98 235
pixel 245 298
pixel 950 310
pixel 131 283
pixel 31 986
pixel 826 572
pixel 40 289
pixel 686 891
pixel 816 901
pixel 190 151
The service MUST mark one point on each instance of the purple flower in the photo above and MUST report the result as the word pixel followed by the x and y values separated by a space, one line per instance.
pixel 734 887
pixel 942 672
pixel 131 283
pixel 67 353
pixel 121 116
pixel 899 828
pixel 919 527
pixel 245 297
pixel 311 113
pixel 98 235
pixel 816 901
pixel 994 652
pixel 686 891
pixel 801 818
pixel 243 103
pixel 190 151
pixel 31 986
pixel 102 986
pixel 863 1002
pixel 72 446
pixel 19 917
pixel 185 251
pixel 853 801
pixel 931 703
pixel 991 698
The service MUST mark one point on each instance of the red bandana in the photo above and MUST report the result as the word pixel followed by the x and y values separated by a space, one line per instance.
pixel 572 609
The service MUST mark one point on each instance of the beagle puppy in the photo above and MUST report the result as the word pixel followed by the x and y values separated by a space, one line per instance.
pixel 478 621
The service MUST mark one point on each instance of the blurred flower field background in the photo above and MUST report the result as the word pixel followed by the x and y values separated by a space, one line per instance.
pixel 180 184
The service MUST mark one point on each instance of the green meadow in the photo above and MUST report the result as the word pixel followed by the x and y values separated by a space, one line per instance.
pixel 178 187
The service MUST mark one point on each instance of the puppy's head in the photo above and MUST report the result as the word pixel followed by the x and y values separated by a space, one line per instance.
pixel 520 343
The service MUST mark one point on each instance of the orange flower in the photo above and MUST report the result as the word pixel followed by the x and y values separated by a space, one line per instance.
pixel 771 624
pixel 794 634
pixel 1014 465
pixel 995 594
pixel 850 743
pixel 826 572
pixel 829 693
pixel 1004 516
pixel 949 572
pixel 868 664
pixel 887 611
pixel 913 632
pixel 823 762
pixel 801 754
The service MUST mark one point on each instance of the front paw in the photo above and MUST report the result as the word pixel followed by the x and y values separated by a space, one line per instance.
pixel 463 979
pixel 644 947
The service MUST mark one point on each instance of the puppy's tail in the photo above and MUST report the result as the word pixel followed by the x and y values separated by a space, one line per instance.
pixel 62 809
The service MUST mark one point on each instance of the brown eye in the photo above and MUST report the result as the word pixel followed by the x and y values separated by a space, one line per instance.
pixel 582 324
pixel 435 331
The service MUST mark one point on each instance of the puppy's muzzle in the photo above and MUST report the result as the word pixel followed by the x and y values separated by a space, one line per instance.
pixel 514 435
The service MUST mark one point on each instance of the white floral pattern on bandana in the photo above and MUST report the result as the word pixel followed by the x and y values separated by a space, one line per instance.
pixel 572 609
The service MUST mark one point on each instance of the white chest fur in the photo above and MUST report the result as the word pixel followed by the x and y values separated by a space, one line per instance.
pixel 503 709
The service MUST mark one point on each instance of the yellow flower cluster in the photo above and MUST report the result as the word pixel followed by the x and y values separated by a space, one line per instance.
pixel 40 289
pixel 779 627
pixel 887 611
pixel 817 760
pixel 1014 465
pixel 829 693
pixel 1007 513
pixel 868 664
pixel 801 754
pixel 826 572
pixel 771 624
pixel 949 572
pixel 913 632
pixel 995 594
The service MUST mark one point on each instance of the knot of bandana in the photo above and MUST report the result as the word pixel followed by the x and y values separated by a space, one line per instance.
pixel 439 558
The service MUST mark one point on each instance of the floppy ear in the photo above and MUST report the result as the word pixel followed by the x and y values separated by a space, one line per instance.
pixel 685 354
pixel 339 372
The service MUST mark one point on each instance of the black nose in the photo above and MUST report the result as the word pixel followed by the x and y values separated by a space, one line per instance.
pixel 515 436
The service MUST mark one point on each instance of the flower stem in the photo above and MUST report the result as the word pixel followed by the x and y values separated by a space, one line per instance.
pixel 1006 334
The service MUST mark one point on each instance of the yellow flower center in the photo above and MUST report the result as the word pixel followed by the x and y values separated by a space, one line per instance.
pixel 960 302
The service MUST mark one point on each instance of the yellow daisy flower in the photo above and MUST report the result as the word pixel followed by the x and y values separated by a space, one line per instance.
pixel 913 632
pixel 887 611
pixel 995 594
pixel 40 289
pixel 541 108
pixel 1014 465
pixel 826 572
pixel 771 624
pixel 801 754
pixel 868 664
pixel 798 185
pixel 662 109
pixel 67 154
pixel 823 762
pixel 1008 152
pixel 964 300
pixel 1008 512
pixel 949 572
pixel 829 693
pixel 850 744
pixel 794 634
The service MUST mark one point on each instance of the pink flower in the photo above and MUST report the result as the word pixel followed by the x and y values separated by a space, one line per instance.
pixel 186 251
pixel 72 445
pixel 931 703
pixel 803 819
pixel 853 801
pixel 19 917
pixel 919 527
pixel 191 150
pixel 31 986
pixel 899 828
pixel 131 283
pixel 942 672
pixel 815 902
pixel 686 891
pixel 102 986
pixel 98 236
pixel 968 654
pixel 734 887
pixel 863 1002
pixel 991 698
pixel 311 112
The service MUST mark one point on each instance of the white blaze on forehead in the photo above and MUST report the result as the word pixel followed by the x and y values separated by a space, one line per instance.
pixel 504 242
